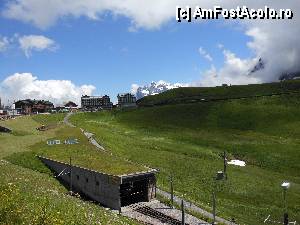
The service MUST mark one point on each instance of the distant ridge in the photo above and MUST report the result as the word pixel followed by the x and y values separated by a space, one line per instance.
pixel 202 94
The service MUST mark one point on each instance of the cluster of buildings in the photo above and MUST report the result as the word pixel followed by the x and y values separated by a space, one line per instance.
pixel 88 103
pixel 29 106
pixel 95 103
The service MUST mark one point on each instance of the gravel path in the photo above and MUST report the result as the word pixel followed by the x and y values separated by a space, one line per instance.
pixel 92 140
pixel 66 119
pixel 87 134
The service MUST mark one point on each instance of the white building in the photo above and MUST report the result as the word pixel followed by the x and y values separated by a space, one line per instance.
pixel 126 100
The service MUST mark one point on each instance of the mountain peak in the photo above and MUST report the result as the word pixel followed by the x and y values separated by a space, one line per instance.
pixel 155 88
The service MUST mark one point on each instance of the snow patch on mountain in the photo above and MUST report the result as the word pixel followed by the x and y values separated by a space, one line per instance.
pixel 153 88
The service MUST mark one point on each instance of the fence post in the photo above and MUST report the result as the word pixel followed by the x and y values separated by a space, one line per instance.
pixel 172 191
pixel 182 213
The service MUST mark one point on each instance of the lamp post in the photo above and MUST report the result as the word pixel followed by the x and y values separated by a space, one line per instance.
pixel 285 186
pixel 219 176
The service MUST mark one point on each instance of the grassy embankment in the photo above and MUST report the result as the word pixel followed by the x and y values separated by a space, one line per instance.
pixel 187 140
pixel 30 197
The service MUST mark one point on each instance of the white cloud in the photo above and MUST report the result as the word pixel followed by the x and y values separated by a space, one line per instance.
pixel 25 85
pixel 220 46
pixel 150 14
pixel 203 52
pixel 234 71
pixel 276 42
pixel 134 88
pixel 29 43
pixel 4 43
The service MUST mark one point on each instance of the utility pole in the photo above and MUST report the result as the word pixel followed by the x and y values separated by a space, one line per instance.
pixel 214 204
pixel 182 213
pixel 285 219
pixel 225 165
pixel 71 176
pixel 155 188
pixel 120 209
pixel 219 176
pixel 172 191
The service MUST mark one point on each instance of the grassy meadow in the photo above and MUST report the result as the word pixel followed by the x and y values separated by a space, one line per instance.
pixel 187 141
pixel 24 135
pixel 28 192
pixel 53 119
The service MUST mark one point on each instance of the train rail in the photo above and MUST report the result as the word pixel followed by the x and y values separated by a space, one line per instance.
pixel 165 219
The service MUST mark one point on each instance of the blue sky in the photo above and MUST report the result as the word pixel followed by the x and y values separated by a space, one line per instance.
pixel 106 54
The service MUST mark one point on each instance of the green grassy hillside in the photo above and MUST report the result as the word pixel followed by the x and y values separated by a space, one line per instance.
pixel 34 196
pixel 187 140
pixel 24 134
pixel 199 94
pixel 83 154
pixel 49 120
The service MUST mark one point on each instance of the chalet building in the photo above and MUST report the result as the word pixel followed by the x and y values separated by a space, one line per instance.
pixel 3 112
pixel 71 106
pixel 126 100
pixel 29 106
pixel 96 102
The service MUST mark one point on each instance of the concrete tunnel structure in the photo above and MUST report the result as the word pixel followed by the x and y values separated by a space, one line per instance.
pixel 113 191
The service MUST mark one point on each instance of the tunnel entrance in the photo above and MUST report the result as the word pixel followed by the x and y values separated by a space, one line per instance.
pixel 134 192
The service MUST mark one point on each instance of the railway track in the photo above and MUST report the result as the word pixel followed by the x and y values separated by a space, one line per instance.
pixel 157 213
pixel 165 219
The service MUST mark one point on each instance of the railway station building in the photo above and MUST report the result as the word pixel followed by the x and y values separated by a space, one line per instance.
pixel 113 191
